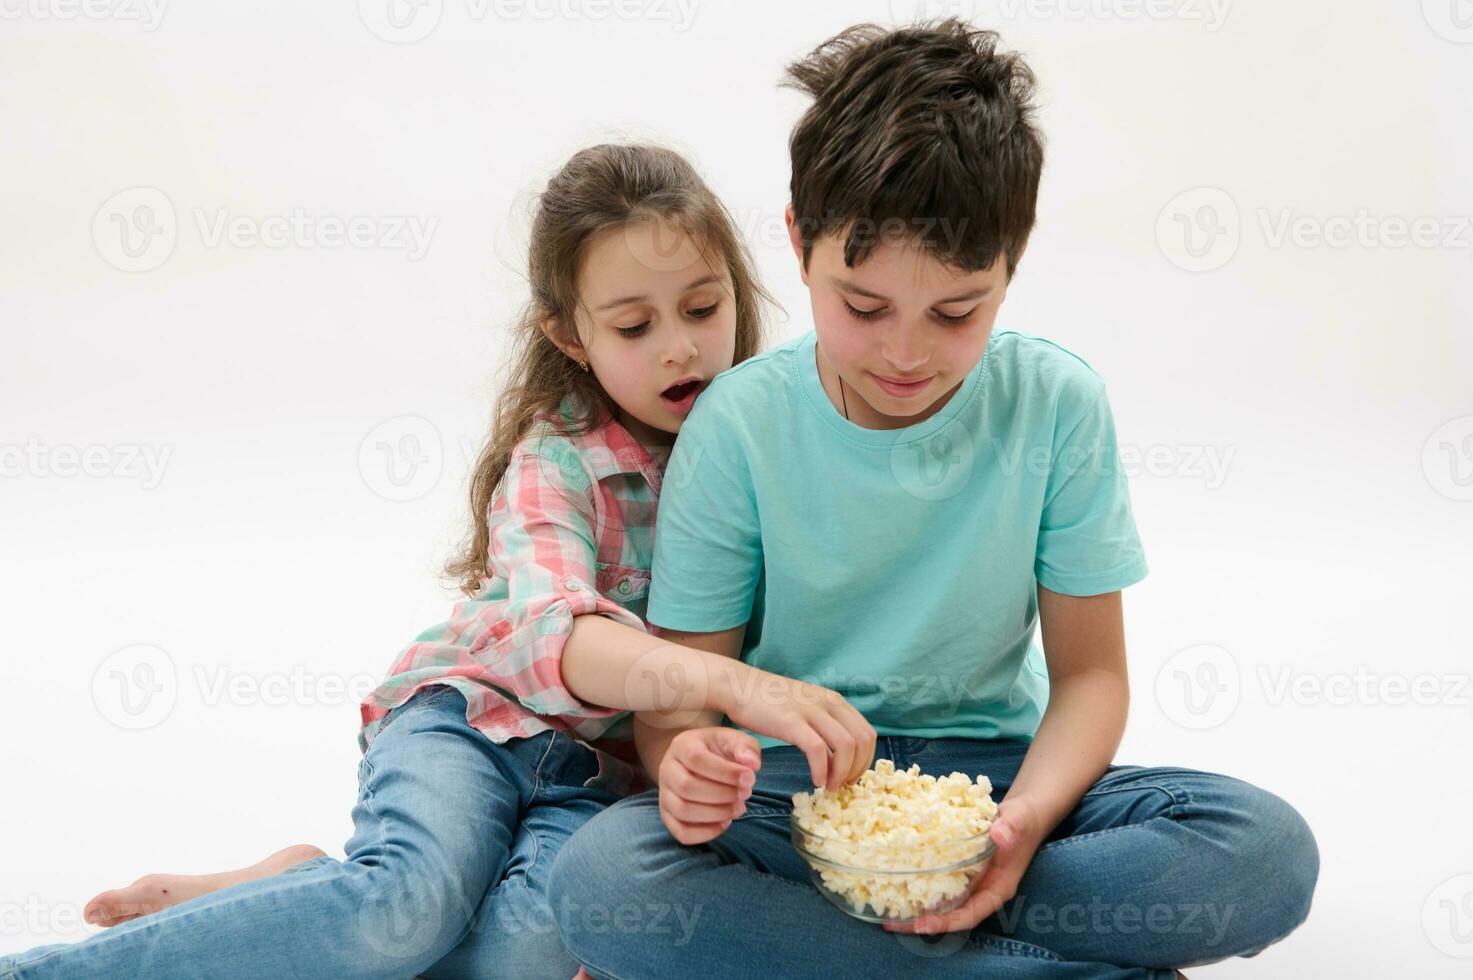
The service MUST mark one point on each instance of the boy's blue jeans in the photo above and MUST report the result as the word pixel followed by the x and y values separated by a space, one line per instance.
pixel 1155 869
pixel 445 875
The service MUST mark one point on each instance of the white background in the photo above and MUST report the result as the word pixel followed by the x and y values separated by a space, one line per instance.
pixel 1332 384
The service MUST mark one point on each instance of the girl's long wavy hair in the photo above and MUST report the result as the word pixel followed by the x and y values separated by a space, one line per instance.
pixel 601 188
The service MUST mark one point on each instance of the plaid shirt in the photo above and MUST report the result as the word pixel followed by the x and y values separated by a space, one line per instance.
pixel 571 533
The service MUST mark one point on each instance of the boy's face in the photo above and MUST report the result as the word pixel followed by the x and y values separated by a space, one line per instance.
pixel 902 328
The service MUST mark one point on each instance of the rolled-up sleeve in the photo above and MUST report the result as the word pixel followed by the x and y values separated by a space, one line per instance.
pixel 543 545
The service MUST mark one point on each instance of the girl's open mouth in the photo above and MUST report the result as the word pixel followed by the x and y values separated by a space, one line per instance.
pixel 680 398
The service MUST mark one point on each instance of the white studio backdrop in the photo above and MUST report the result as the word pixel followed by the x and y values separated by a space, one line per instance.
pixel 256 262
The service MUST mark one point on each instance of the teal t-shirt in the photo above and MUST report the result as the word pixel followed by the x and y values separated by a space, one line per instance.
pixel 898 567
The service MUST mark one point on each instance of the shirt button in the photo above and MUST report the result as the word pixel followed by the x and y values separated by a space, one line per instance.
pixel 624 585
pixel 575 585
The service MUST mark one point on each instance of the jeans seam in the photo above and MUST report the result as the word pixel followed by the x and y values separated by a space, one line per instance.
pixel 537 770
pixel 1099 833
pixel 180 914
pixel 308 864
pixel 753 812
pixel 1015 947
pixel 770 876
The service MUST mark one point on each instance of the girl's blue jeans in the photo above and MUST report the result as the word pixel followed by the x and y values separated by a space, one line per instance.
pixel 1154 869
pixel 445 874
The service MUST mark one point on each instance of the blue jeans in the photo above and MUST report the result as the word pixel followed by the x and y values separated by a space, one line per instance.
pixel 445 876
pixel 1154 869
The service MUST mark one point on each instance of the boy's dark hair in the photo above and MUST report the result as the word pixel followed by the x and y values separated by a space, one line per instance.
pixel 926 130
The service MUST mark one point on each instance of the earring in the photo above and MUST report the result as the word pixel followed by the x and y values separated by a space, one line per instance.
pixel 583 365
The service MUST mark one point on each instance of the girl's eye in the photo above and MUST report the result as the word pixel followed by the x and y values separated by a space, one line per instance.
pixel 704 311
pixel 863 314
pixel 953 319
pixel 634 331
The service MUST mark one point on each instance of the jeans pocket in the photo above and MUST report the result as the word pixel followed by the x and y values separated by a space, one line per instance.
pixel 425 697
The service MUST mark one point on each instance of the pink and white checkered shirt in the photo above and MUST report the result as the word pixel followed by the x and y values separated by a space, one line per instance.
pixel 571 533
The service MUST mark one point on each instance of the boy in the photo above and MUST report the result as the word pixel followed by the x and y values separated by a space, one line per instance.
pixel 885 507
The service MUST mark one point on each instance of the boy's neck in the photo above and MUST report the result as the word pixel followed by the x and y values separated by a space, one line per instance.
pixel 851 404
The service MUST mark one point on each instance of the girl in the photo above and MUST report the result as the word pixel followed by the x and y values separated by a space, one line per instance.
pixel 499 732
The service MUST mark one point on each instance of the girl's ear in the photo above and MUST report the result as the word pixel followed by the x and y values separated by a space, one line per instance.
pixel 552 327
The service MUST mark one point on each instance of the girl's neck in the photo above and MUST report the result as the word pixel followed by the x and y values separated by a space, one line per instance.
pixel 653 440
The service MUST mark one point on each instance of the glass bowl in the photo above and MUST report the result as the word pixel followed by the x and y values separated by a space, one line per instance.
pixel 883 884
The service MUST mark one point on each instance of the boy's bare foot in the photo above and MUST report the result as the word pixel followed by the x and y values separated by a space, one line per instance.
pixel 151 893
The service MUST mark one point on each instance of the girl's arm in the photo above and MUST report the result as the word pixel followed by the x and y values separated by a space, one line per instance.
pixel 706 771
pixel 608 663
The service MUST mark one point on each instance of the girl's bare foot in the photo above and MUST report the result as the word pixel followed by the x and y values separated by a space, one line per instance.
pixel 151 893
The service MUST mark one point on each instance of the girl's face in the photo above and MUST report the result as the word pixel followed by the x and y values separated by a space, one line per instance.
pixel 657 322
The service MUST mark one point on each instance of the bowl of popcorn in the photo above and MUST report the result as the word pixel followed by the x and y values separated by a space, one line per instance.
pixel 896 845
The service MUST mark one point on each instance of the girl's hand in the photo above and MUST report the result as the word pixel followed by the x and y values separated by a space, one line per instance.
pixel 705 779
pixel 837 740
pixel 1018 833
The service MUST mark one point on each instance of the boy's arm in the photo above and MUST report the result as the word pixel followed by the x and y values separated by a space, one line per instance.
pixel 1089 697
pixel 654 730
pixel 1084 647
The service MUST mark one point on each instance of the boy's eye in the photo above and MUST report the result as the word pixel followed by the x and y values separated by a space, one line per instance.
pixel 960 318
pixel 634 331
pixel 863 314
pixel 704 311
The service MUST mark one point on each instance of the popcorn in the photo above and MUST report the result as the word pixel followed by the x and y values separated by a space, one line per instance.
pixel 898 822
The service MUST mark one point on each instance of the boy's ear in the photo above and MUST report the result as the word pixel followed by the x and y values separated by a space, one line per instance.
pixel 552 327
pixel 1021 249
pixel 795 237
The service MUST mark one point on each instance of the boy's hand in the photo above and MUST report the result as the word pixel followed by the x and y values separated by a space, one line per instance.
pixel 1018 834
pixel 816 720
pixel 705 779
